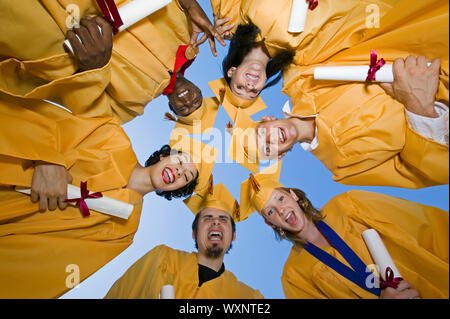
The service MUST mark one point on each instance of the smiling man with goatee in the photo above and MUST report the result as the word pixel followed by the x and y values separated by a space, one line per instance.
pixel 200 275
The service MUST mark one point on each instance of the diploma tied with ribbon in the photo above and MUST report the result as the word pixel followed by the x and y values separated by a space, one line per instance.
pixel 377 71
pixel 82 198
pixel 127 15
pixel 299 11
pixel 390 276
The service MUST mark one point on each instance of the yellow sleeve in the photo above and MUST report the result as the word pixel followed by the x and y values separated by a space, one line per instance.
pixel 421 163
pixel 37 130
pixel 145 278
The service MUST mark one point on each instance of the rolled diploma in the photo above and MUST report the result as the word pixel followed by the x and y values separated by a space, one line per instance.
pixel 379 253
pixel 167 292
pixel 299 12
pixel 356 73
pixel 106 205
pixel 133 12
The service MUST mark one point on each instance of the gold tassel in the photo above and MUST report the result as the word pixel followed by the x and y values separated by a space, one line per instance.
pixel 169 117
pixel 237 211
pixel 254 183
pixel 221 95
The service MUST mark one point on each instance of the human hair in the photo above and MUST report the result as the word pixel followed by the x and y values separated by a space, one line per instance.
pixel 195 228
pixel 242 43
pixel 186 190
pixel 310 212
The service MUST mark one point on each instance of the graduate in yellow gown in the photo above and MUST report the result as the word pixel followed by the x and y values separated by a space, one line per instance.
pixel 355 120
pixel 200 275
pixel 375 145
pixel 44 147
pixel 34 64
pixel 415 235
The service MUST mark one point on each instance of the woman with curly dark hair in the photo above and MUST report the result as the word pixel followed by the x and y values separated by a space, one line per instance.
pixel 44 148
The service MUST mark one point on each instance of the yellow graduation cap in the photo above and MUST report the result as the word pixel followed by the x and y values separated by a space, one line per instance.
pixel 256 191
pixel 231 103
pixel 203 156
pixel 215 197
pixel 243 146
pixel 200 121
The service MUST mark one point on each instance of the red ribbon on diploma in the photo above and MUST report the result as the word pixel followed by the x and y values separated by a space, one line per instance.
pixel 111 14
pixel 390 281
pixel 84 194
pixel 374 65
pixel 181 64
pixel 313 4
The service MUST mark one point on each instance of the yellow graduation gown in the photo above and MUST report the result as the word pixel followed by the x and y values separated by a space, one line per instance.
pixel 136 74
pixel 372 144
pixel 415 235
pixel 166 266
pixel 363 136
pixel 43 254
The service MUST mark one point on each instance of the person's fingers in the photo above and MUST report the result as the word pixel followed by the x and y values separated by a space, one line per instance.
pixel 410 62
pixel 62 204
pixel 212 45
pixel 201 40
pixel 227 27
pixel 422 62
pixel 194 38
pixel 217 36
pixel 403 285
pixel 387 87
pixel 435 66
pixel 84 35
pixel 398 69
pixel 42 203
pixel 107 31
pixel 77 46
pixel 34 196
pixel 69 178
pixel 221 22
pixel 52 202
pixel 93 29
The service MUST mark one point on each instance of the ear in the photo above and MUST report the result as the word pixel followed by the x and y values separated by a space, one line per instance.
pixel 293 195
pixel 280 156
pixel 269 223
pixel 234 237
pixel 230 71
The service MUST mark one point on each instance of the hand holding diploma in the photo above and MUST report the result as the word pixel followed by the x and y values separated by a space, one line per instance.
pixel 415 84
pixel 103 204
pixel 400 289
pixel 129 14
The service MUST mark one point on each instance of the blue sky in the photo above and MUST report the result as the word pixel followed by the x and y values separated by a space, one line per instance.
pixel 256 258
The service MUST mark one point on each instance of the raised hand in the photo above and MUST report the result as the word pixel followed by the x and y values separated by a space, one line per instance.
pixel 201 24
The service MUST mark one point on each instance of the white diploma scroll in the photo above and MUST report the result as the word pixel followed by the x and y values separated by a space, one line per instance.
pixel 133 12
pixel 167 292
pixel 354 73
pixel 379 253
pixel 106 205
pixel 299 12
